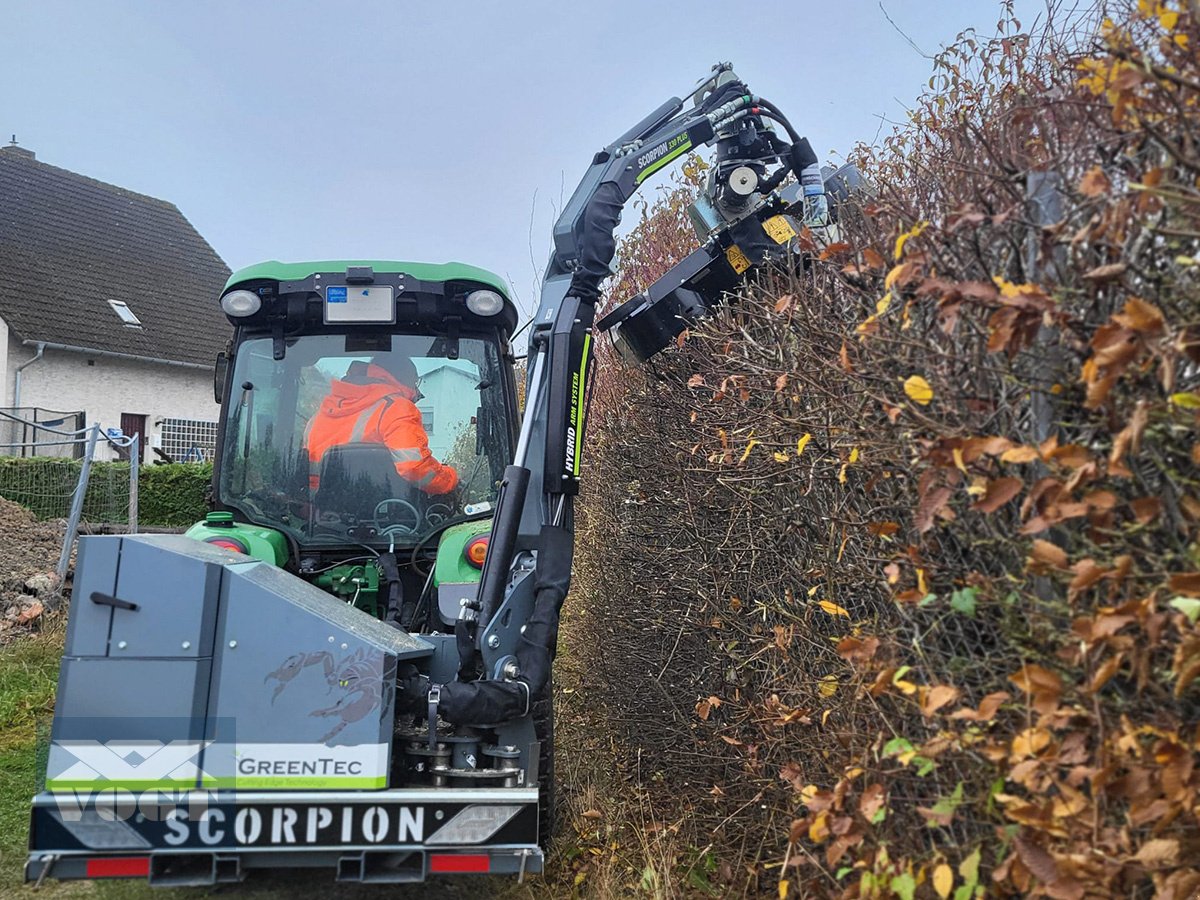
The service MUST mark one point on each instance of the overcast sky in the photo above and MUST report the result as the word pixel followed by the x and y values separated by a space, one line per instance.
pixel 427 131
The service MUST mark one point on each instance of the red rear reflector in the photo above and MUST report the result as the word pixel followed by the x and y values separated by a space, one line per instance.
pixel 227 544
pixel 124 867
pixel 459 862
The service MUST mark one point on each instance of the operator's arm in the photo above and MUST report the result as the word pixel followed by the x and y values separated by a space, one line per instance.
pixel 405 436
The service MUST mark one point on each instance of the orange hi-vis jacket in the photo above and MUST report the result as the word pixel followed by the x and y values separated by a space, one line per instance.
pixel 378 409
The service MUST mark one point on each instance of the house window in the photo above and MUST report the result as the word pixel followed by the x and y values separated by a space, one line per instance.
pixel 121 308
pixel 427 418
pixel 189 440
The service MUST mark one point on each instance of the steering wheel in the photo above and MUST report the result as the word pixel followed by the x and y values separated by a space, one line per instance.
pixel 437 513
pixel 407 510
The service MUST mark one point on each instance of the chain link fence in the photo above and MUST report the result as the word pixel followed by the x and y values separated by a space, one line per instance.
pixel 53 476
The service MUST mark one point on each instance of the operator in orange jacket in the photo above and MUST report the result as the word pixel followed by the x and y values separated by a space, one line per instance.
pixel 373 403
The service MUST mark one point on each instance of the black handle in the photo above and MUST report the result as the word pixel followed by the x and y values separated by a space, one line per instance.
pixel 108 600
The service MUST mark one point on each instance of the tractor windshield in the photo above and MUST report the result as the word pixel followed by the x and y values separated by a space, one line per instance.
pixel 353 439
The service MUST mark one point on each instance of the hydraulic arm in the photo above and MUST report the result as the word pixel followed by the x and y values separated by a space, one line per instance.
pixel 741 221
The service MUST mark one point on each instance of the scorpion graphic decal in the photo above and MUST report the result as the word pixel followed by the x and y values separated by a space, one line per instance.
pixel 357 676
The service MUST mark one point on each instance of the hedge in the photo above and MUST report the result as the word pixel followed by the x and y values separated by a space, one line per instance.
pixel 168 495
pixel 900 553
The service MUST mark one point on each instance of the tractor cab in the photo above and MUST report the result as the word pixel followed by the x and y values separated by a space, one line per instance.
pixel 367 407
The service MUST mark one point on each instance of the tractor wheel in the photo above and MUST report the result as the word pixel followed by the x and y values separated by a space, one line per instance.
pixel 543 726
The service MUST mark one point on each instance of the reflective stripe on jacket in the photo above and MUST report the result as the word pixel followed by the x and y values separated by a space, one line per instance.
pixel 378 410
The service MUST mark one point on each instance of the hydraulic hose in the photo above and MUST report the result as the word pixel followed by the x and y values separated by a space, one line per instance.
pixel 779 117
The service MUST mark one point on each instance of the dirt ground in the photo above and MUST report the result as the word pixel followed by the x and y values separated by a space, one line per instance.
pixel 29 551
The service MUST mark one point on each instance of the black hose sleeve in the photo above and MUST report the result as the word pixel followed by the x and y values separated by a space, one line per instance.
pixel 802 156
pixel 597 242
pixel 491 702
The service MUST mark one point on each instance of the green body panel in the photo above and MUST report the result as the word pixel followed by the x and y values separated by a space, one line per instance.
pixel 452 566
pixel 266 544
pixel 453 271
pixel 356 584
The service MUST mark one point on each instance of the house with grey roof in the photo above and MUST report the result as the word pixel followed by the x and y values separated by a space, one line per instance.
pixel 108 304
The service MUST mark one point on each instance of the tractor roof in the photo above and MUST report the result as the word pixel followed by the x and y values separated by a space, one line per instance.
pixel 452 271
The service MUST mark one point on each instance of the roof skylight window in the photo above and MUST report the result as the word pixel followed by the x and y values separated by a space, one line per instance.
pixel 121 308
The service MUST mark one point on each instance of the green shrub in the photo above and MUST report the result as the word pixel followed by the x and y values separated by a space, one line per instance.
pixel 169 495
pixel 173 495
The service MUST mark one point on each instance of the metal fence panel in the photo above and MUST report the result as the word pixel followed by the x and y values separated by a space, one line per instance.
pixel 33 431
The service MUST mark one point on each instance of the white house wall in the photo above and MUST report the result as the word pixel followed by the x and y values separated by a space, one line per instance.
pixel 5 371
pixel 104 388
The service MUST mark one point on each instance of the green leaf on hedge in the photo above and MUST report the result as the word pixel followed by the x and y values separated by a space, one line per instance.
pixel 964 601
pixel 1189 606
pixel 904 886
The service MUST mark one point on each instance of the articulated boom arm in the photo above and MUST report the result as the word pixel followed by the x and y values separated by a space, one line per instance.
pixel 741 223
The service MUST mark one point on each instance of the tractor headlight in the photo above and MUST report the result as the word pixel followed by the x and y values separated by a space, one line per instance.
pixel 484 303
pixel 241 303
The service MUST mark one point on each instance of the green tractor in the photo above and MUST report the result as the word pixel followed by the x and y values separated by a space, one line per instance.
pixel 287 642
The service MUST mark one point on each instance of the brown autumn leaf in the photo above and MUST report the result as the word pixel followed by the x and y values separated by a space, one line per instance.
pixel 1071 455
pixel 873 260
pixel 883 529
pixel 1101 501
pixel 998 493
pixel 1101 274
pixel 592 814
pixel 1140 316
pixel 695 381
pixel 1034 679
pixel 872 800
pixel 792 772
pixel 937 697
pixel 1129 439
pixel 1048 554
pixel 857 649
pixel 705 707
pixel 1106 671
pixel 1158 853
pixel 1087 573
pixel 1113 345
pixel 1036 860
pixel 1094 182
pixel 834 249
pixel 781 382
pixel 1030 742
pixel 931 504
pixel 1020 455
pixel 784 303
pixel 1186 583
pixel 988 708
pixel 1002 328
pixel 1146 509
pixel 844 359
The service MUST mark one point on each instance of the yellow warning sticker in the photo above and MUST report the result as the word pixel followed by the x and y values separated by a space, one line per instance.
pixel 737 259
pixel 780 229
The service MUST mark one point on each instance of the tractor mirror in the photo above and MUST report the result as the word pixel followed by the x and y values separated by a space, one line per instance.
pixel 220 370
